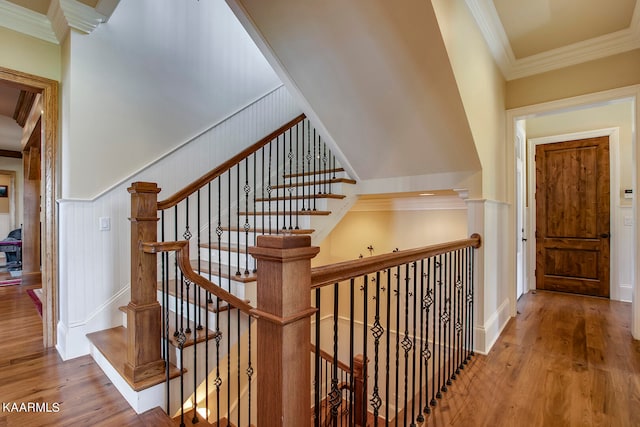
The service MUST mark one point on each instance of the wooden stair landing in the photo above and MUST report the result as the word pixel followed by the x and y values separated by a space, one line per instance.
pixel 112 343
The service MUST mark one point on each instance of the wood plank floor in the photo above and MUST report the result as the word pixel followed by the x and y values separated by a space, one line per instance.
pixel 29 373
pixel 566 360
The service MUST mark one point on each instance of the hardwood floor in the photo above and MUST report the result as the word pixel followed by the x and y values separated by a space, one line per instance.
pixel 83 395
pixel 566 360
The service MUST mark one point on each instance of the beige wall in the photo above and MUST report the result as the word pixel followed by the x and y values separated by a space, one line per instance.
pixel 387 230
pixel 482 88
pixel 594 76
pixel 616 115
pixel 29 54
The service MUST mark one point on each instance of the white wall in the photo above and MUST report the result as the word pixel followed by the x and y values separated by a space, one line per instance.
pixel 95 265
pixel 156 74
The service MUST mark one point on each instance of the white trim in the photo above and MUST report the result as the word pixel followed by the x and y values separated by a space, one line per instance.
pixel 489 23
pixel 487 334
pixel 614 190
pixel 574 103
pixel 422 203
pixel 102 307
pixel 81 17
pixel 26 21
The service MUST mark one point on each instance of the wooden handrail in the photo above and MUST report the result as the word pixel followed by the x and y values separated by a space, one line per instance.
pixel 334 273
pixel 329 358
pixel 219 170
pixel 182 255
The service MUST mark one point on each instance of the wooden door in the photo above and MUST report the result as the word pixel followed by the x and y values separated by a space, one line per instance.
pixel 572 216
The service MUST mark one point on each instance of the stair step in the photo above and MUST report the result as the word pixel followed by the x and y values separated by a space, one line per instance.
pixel 316 182
pixel 188 420
pixel 112 343
pixel 317 172
pixel 223 268
pixel 299 197
pixel 267 231
pixel 191 325
pixel 301 213
pixel 156 417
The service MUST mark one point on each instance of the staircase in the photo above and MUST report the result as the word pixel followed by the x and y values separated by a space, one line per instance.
pixel 287 183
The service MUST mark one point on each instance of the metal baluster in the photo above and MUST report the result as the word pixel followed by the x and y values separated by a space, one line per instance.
pixel 290 189
pixel 255 207
pixel 181 339
pixel 277 184
pixel 239 344
pixel 449 317
pixel 249 370
pixel 456 313
pixel 406 341
pixel 317 378
pixel 314 169
pixel 427 355
pixel 298 177
pixel 439 392
pixel 377 331
pixel 308 158
pixel 324 165
pixel 335 392
pixel 247 226
pixel 445 324
pixel 238 201
pixel 365 317
pixel 397 292
pixel 352 393
pixel 414 265
pixel 434 352
pixel 175 266
pixel 388 348
pixel 471 298
pixel 269 188
pixel 209 301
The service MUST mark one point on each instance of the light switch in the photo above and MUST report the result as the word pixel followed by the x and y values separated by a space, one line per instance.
pixel 105 223
pixel 628 221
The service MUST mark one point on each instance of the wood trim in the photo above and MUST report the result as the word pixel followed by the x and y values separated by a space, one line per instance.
pixel 50 101
pixel 11 154
pixel 182 256
pixel 216 172
pixel 334 273
pixel 26 99
pixel 329 358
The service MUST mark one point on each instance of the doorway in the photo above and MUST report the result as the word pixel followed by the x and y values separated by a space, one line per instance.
pixel 573 216
pixel 48 89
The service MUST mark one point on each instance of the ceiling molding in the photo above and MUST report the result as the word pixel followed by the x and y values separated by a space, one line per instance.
pixel 421 203
pixel 486 17
pixel 25 21
pixel 80 16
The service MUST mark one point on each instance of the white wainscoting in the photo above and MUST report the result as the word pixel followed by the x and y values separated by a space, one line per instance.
pixel 94 265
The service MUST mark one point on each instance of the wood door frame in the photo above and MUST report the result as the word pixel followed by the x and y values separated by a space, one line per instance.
pixel 614 194
pixel 50 142
pixel 628 93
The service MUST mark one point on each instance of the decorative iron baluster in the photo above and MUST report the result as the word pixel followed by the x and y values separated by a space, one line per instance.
pixel 249 371
pixel 406 341
pixel 238 202
pixel 317 378
pixel 290 189
pixel 449 318
pixel 440 304
pixel 269 187
pixel 471 297
pixel 175 265
pixel 181 339
pixel 247 226
pixel 365 318
pixel 315 191
pixel 388 347
pixel 255 208
pixel 335 396
pixel 445 324
pixel 297 227
pixel 427 302
pixel 239 344
pixel 377 331
pixel 352 393
pixel 414 266
pixel 397 292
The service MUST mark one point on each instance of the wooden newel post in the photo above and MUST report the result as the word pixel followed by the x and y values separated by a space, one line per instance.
pixel 144 358
pixel 284 329
pixel 359 381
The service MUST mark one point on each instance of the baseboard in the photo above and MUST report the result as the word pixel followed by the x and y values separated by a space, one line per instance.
pixel 140 401
pixel 487 334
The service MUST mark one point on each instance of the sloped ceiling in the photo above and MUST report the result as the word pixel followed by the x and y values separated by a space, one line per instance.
pixel 377 77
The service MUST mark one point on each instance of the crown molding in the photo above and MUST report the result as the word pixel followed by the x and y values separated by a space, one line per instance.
pixel 422 203
pixel 486 16
pixel 23 20
pixel 80 16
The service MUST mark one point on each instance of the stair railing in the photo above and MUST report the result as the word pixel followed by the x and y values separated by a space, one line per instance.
pixel 267 188
pixel 410 314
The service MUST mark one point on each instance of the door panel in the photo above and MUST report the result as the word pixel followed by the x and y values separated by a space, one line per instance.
pixel 572 216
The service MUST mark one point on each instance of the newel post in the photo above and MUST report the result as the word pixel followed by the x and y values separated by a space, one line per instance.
pixel 284 329
pixel 144 358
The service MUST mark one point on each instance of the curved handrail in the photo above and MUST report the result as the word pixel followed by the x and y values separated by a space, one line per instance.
pixel 329 358
pixel 334 273
pixel 219 170
pixel 182 256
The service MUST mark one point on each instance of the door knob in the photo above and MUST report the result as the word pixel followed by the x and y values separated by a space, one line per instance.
pixel 605 235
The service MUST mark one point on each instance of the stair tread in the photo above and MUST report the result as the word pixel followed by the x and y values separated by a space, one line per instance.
pixel 317 182
pixel 300 197
pixel 266 231
pixel 156 417
pixel 317 172
pixel 200 334
pixel 112 343
pixel 224 270
pixel 301 213
pixel 188 420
